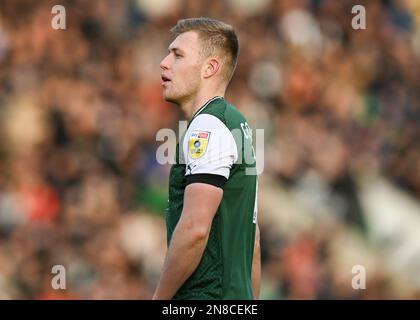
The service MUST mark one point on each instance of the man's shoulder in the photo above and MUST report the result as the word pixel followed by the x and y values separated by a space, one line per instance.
pixel 225 112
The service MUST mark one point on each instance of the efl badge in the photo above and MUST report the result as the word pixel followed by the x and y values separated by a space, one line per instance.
pixel 197 145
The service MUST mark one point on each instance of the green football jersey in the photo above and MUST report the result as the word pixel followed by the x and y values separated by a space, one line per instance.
pixel 217 149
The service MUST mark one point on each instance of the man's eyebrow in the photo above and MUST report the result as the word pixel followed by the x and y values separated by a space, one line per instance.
pixel 175 49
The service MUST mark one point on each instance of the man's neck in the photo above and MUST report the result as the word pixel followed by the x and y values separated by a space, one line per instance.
pixel 191 106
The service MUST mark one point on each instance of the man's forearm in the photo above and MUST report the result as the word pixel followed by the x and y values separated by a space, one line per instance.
pixel 256 267
pixel 183 256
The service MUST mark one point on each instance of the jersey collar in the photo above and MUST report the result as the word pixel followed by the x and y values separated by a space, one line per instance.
pixel 205 105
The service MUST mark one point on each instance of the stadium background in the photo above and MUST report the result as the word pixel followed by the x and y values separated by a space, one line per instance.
pixel 80 109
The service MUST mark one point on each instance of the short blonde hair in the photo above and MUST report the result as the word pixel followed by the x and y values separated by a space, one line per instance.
pixel 217 37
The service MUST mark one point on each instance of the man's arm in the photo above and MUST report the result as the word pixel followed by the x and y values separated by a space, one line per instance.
pixel 256 266
pixel 189 238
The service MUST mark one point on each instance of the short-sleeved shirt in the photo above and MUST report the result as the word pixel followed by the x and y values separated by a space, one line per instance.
pixel 217 149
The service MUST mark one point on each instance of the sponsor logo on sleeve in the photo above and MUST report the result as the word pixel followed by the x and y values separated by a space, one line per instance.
pixel 197 143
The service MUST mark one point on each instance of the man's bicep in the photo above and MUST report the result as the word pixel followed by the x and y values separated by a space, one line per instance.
pixel 201 201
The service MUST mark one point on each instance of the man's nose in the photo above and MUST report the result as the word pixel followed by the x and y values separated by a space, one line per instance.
pixel 164 63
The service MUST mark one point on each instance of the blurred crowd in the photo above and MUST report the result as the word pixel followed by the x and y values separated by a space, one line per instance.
pixel 80 108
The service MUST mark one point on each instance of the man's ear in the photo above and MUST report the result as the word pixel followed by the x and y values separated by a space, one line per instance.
pixel 211 67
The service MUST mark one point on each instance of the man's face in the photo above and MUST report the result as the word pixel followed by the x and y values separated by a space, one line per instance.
pixel 181 68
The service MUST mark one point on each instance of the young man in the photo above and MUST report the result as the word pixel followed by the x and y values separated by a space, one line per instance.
pixel 212 229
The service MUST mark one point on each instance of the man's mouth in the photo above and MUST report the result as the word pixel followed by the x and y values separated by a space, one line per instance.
pixel 165 79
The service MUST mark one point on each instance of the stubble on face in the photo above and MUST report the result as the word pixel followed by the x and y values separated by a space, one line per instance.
pixel 184 64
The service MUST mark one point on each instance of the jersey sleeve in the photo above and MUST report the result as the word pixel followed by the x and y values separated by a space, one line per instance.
pixel 210 151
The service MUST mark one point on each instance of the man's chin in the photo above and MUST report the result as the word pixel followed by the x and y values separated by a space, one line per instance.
pixel 170 98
